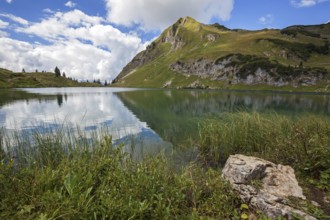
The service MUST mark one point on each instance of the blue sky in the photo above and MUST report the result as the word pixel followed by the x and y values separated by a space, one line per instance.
pixel 95 39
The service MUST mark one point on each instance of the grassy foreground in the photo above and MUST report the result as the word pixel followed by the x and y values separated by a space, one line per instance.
pixel 104 183
pixel 48 181
pixel 302 142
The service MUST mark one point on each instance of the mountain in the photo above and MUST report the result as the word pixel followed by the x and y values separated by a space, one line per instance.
pixel 189 54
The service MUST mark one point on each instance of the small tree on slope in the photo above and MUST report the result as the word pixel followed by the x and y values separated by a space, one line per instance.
pixel 57 72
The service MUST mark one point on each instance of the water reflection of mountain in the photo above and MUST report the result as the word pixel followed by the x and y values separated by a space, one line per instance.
pixel 172 114
pixel 144 143
pixel 175 114
pixel 79 112
pixel 200 104
pixel 8 96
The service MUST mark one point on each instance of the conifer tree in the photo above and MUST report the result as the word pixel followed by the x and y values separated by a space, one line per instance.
pixel 57 72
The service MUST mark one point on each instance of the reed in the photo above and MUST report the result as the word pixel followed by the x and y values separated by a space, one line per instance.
pixel 103 182
pixel 302 142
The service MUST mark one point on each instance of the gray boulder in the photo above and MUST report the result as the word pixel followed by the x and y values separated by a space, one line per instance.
pixel 264 185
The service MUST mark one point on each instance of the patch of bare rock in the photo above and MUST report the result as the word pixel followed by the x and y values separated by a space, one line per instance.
pixel 264 185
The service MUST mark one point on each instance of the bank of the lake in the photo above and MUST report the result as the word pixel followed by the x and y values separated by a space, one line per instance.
pixel 9 79
pixel 96 181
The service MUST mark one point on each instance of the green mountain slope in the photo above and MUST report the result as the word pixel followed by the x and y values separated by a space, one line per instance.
pixel 9 79
pixel 189 54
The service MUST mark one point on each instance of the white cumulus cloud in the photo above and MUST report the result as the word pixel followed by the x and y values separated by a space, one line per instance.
pixel 9 1
pixel 60 24
pixel 156 14
pixel 70 4
pixel 48 11
pixel 267 19
pixel 306 3
pixel 15 18
pixel 83 46
pixel 3 34
pixel 3 24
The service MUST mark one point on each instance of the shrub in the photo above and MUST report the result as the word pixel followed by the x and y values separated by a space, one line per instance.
pixel 294 33
pixel 301 50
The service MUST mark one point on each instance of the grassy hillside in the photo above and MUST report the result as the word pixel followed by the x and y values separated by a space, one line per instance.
pixel 9 79
pixel 303 48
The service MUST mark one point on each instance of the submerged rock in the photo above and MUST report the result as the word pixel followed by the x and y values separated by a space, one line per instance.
pixel 264 185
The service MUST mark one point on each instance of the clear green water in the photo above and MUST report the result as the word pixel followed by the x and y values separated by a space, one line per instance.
pixel 153 117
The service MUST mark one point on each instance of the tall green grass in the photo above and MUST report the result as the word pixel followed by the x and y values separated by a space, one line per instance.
pixel 62 175
pixel 100 181
pixel 302 142
pixel 46 146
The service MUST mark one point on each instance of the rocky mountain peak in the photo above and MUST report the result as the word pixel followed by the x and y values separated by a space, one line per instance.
pixel 200 52
pixel 171 34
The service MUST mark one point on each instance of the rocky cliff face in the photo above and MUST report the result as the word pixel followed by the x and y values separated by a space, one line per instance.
pixel 171 35
pixel 232 70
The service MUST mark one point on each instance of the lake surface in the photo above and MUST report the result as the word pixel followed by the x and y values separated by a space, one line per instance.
pixel 157 118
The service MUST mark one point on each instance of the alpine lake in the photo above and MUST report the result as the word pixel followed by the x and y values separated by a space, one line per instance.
pixel 148 120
